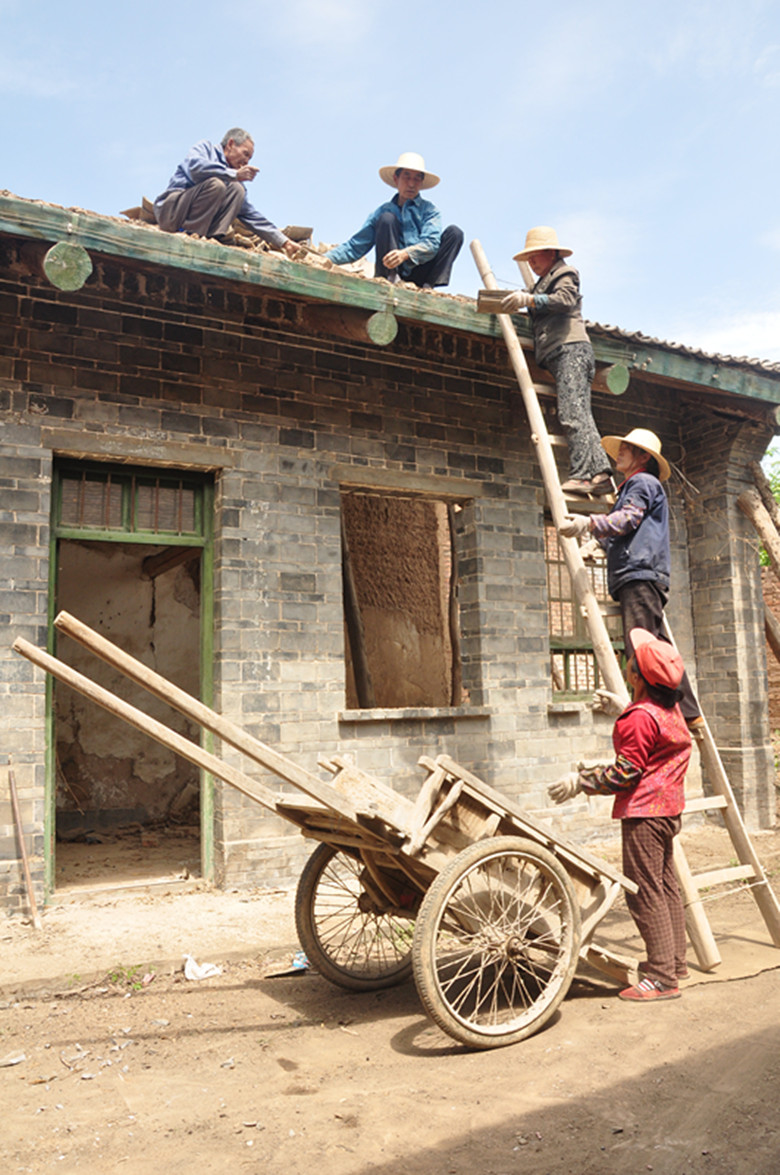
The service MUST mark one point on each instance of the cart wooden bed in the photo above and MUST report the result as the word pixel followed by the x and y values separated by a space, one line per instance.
pixel 488 908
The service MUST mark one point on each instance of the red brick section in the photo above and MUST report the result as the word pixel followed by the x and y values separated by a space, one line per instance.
pixel 771 589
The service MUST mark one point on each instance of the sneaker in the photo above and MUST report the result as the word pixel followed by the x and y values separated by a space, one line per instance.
pixel 684 974
pixel 648 989
pixel 587 486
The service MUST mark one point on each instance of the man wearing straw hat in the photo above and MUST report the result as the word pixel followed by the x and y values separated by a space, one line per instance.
pixel 406 230
pixel 635 535
pixel 562 347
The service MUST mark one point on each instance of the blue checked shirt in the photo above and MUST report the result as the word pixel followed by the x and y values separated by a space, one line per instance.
pixel 420 222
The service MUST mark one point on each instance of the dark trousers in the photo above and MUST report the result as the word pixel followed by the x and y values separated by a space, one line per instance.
pixel 435 272
pixel 642 606
pixel 657 908
pixel 207 209
pixel 573 368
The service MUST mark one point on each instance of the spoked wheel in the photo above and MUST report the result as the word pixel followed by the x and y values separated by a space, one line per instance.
pixel 496 943
pixel 343 928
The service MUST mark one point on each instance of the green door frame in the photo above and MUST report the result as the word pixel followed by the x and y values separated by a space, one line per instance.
pixel 203 485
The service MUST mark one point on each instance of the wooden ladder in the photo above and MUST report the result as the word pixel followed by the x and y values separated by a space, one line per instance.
pixel 691 885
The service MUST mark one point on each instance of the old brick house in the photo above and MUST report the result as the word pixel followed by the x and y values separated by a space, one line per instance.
pixel 339 543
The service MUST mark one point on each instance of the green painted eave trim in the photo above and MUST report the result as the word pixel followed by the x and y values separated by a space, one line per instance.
pixel 132 239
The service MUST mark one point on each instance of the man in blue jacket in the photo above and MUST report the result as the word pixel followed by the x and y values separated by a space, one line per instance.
pixel 406 230
pixel 206 193
pixel 635 535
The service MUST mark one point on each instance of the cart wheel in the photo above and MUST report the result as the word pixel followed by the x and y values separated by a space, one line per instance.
pixel 347 941
pixel 496 942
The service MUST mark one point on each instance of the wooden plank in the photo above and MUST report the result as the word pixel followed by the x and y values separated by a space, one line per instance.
pixel 696 922
pixel 624 970
pixel 156 730
pixel 721 876
pixel 161 688
pixel 542 833
pixel 704 804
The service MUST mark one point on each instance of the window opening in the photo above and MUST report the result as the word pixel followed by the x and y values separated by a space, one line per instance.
pixel 401 613
pixel 573 665
pixel 95 498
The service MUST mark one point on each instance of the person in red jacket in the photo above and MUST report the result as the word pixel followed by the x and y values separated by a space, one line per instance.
pixel 652 750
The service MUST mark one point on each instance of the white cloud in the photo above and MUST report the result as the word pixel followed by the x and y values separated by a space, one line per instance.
pixel 604 245
pixel 767 66
pixel 771 239
pixel 33 79
pixel 754 335
pixel 330 26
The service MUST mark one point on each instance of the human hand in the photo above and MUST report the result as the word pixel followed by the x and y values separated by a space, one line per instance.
pixel 605 702
pixel 564 789
pixel 574 525
pixel 290 248
pixel 395 258
pixel 246 172
pixel 519 300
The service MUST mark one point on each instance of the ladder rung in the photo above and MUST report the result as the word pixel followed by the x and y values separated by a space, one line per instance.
pixel 719 876
pixel 704 803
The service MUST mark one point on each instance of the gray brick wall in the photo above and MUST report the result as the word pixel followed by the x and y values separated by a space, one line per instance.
pixel 148 365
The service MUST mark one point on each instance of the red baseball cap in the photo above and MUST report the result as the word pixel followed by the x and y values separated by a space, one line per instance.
pixel 658 661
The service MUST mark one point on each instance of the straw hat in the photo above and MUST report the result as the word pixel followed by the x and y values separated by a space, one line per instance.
pixel 643 439
pixel 412 162
pixel 658 661
pixel 539 238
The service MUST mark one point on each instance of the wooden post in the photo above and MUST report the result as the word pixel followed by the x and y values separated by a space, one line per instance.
pixel 602 646
pixel 753 508
pixel 772 630
pixel 356 635
pixel 36 918
pixel 156 730
pixel 765 490
pixel 67 265
pixel 349 322
pixel 194 709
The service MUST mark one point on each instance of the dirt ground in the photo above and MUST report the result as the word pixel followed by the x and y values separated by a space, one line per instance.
pixel 253 1071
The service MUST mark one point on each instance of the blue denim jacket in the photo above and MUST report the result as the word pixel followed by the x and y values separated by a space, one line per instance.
pixel 420 233
pixel 642 552
pixel 202 162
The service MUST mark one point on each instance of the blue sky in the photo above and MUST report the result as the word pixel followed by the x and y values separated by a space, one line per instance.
pixel 647 135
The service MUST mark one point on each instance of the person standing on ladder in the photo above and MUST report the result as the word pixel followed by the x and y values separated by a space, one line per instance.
pixel 635 536
pixel 562 347
pixel 647 779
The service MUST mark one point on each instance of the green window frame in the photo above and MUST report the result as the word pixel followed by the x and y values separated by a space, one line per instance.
pixel 125 503
pixel 574 669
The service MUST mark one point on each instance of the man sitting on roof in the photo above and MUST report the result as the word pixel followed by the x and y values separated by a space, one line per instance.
pixel 406 230
pixel 206 193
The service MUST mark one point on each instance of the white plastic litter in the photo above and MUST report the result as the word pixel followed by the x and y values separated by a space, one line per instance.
pixel 193 970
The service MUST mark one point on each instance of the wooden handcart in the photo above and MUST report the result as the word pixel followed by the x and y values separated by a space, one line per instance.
pixel 487 908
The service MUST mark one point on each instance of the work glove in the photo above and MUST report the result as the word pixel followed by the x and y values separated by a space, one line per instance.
pixel 574 526
pixel 520 300
pixel 591 551
pixel 607 703
pixel 563 789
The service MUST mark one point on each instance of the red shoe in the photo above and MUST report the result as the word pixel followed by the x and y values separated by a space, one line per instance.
pixel 648 989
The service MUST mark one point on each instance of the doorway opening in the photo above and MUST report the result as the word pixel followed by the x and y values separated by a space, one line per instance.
pixel 132 552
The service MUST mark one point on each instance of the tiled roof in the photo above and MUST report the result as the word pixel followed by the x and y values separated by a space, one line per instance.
pixel 636 337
